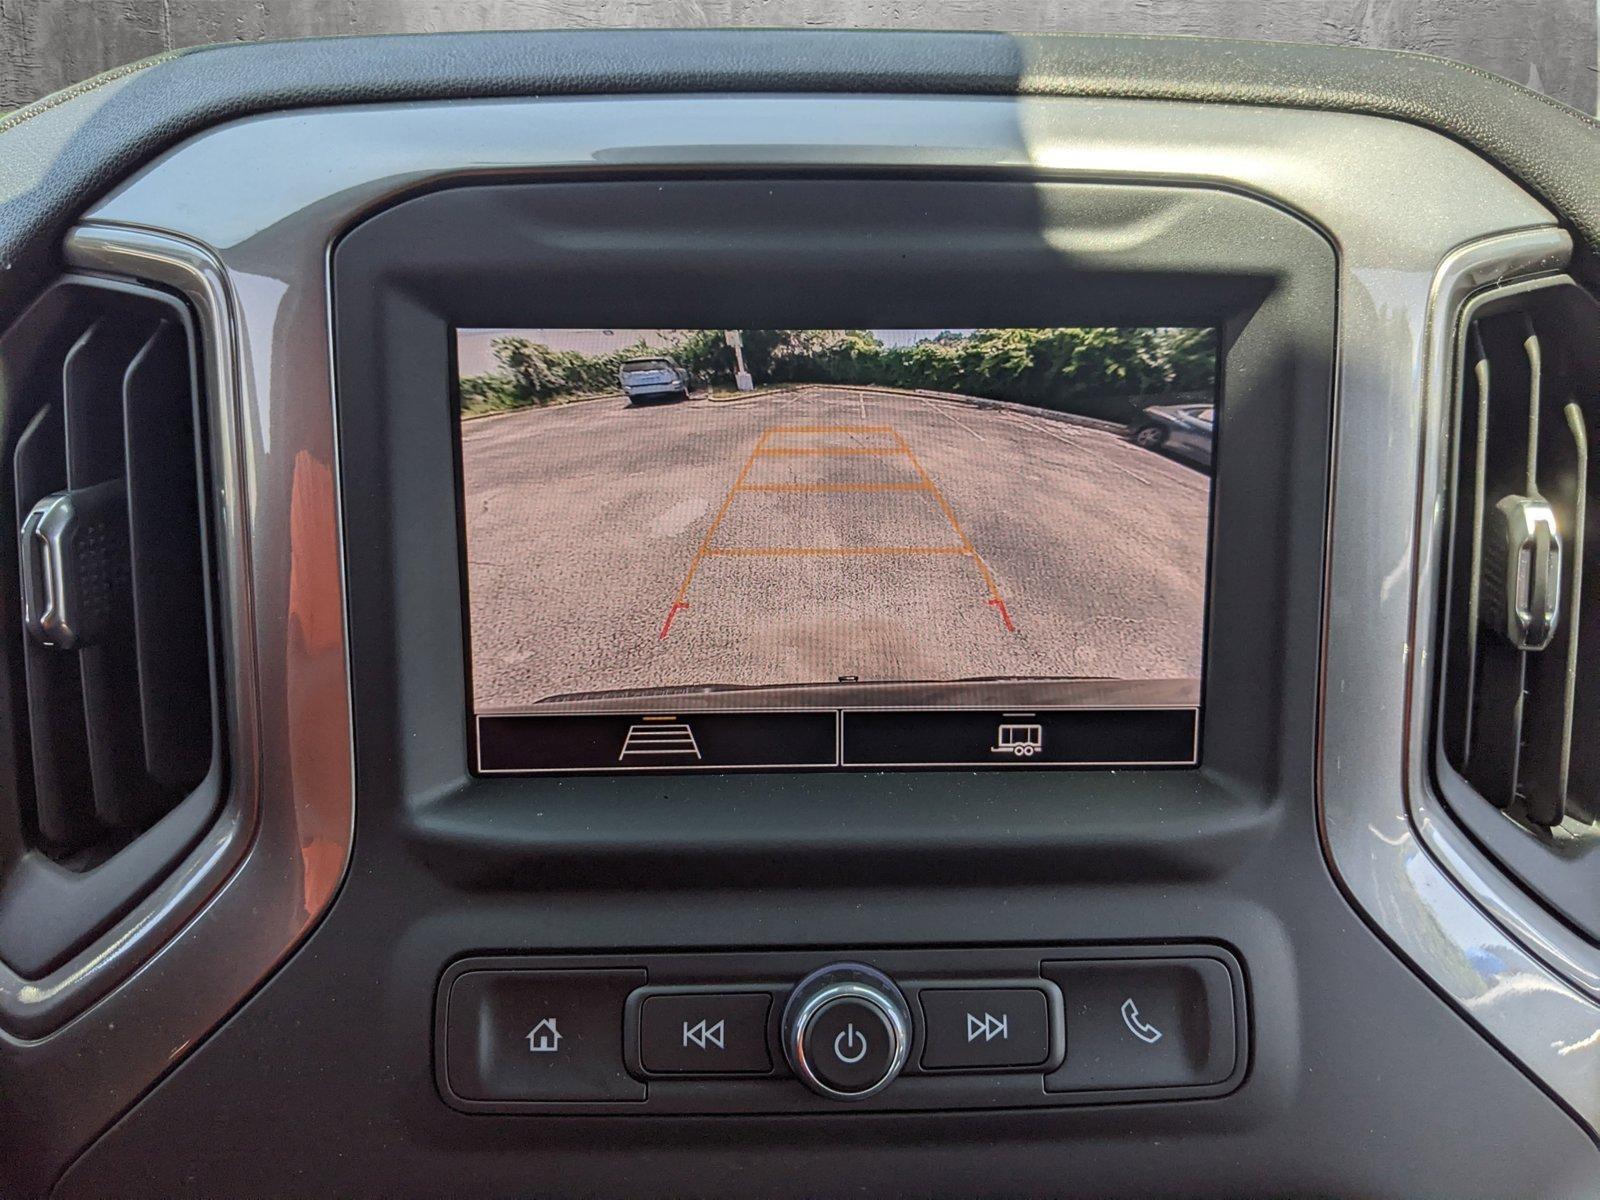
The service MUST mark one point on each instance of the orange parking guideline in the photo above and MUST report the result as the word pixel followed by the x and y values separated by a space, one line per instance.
pixel 826 551
pixel 681 602
pixel 983 568
pixel 826 451
pixel 887 486
pixel 889 429
pixel 925 484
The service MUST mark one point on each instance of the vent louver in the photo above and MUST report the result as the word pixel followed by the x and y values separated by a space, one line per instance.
pixel 1519 715
pixel 109 701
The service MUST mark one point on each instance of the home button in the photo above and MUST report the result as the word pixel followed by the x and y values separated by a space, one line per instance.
pixel 539 1035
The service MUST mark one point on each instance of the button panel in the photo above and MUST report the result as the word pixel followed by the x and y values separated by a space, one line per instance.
pixel 705 1033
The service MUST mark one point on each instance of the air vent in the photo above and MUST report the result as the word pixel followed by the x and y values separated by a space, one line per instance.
pixel 110 698
pixel 1519 715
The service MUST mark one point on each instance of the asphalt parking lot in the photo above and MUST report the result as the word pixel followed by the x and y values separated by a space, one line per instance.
pixel 821 533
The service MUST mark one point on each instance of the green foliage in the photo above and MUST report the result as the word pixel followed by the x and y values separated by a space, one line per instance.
pixel 543 374
pixel 1096 371
pixel 1103 372
pixel 490 393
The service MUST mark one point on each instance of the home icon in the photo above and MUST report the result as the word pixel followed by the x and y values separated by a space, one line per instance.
pixel 544 1038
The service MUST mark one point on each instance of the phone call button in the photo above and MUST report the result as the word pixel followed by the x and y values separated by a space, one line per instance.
pixel 1144 1023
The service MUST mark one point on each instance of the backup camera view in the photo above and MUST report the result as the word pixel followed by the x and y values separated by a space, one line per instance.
pixel 693 549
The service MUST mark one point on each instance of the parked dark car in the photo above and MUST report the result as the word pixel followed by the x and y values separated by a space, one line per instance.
pixel 647 380
pixel 1186 430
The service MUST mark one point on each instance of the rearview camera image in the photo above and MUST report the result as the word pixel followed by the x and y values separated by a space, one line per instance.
pixel 852 548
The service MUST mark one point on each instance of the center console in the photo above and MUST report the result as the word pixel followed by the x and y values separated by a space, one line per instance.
pixel 834 591
pixel 537 663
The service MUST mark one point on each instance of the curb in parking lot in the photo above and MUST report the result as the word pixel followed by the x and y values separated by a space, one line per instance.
pixel 979 402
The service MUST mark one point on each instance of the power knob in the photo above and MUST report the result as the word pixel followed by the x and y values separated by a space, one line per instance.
pixel 846 1031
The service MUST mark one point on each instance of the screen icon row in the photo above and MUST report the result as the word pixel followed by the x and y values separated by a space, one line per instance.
pixel 844 739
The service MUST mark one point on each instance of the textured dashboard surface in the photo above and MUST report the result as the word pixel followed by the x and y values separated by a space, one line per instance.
pixel 58 154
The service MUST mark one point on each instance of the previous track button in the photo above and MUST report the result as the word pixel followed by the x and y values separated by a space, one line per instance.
pixel 705 1033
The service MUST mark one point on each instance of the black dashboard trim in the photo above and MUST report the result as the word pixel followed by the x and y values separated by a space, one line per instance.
pixel 495 254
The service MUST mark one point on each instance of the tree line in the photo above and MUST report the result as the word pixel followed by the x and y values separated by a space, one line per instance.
pixel 1098 371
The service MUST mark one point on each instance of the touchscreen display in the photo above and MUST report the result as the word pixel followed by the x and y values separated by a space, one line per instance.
pixel 854 549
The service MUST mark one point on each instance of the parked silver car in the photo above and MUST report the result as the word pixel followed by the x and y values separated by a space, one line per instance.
pixel 646 380
pixel 1186 430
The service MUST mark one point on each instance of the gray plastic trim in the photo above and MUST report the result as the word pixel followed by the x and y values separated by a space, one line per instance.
pixel 1397 200
pixel 263 874
pixel 1518 972
pixel 30 1008
pixel 1458 842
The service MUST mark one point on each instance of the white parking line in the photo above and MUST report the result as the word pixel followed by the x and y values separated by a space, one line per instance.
pixel 939 407
pixel 1067 440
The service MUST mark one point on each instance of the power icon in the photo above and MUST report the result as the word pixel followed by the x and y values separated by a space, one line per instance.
pixel 850 1047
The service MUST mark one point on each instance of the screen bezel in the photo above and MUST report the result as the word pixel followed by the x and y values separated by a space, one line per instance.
pixel 1113 253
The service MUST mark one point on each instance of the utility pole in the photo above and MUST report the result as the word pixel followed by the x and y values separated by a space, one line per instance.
pixel 741 377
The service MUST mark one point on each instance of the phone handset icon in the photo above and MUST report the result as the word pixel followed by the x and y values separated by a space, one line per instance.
pixel 1140 1028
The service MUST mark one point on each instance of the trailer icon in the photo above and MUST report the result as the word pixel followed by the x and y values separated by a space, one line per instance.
pixel 1020 740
